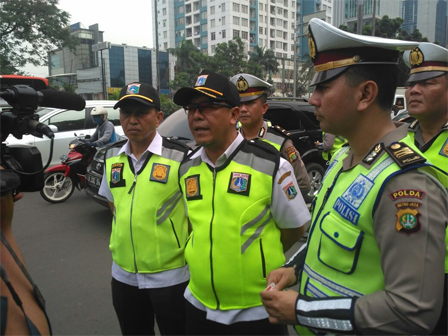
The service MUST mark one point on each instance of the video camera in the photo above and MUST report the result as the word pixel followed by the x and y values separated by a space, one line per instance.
pixel 24 95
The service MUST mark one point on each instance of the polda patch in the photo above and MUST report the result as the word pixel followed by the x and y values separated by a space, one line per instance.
pixel 405 193
pixel 292 154
pixel 408 221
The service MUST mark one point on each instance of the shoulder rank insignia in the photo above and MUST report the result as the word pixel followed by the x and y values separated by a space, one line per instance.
pixel 403 155
pixel 373 154
pixel 413 125
pixel 261 132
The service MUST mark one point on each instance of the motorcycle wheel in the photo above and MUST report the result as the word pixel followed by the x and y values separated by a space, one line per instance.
pixel 50 191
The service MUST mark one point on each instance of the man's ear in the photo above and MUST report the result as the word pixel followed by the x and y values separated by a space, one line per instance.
pixel 235 114
pixel 159 117
pixel 368 92
pixel 265 107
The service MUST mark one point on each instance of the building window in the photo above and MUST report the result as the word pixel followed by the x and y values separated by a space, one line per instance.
pixel 212 10
pixel 224 33
pixel 244 35
pixel 165 34
pixel 245 22
pixel 260 30
pixel 223 7
pixel 203 15
pixel 181 9
pixel 204 40
pixel 164 11
pixel 164 23
pixel 236 20
pixel 213 36
pixel 223 20
pixel 204 27
pixel 212 23
pixel 236 33
pixel 260 6
pixel 236 7
pixel 165 45
pixel 244 9
pixel 213 49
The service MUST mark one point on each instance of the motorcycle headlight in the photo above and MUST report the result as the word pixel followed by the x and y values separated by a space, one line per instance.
pixel 71 146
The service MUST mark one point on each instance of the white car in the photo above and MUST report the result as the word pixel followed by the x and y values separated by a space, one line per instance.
pixel 64 124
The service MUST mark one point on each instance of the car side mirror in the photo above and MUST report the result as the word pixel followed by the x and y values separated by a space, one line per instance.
pixel 54 128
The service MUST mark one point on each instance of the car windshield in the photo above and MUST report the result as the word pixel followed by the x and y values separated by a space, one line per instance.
pixel 44 111
pixel 176 125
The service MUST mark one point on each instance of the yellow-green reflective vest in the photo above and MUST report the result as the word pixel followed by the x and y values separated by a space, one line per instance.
pixel 343 258
pixel 235 242
pixel 437 154
pixel 338 142
pixel 149 228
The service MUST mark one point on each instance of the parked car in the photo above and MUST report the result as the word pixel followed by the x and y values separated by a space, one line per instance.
pixel 65 123
pixel 296 116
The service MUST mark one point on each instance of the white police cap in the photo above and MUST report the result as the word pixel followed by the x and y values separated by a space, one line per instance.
pixel 333 50
pixel 428 60
pixel 249 86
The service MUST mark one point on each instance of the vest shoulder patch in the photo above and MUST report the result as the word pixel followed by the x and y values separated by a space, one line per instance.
pixel 404 155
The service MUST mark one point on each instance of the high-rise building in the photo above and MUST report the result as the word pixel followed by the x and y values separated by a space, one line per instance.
pixel 94 71
pixel 270 24
pixel 391 8
pixel 429 17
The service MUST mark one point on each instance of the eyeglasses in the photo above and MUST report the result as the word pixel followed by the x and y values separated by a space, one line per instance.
pixel 204 108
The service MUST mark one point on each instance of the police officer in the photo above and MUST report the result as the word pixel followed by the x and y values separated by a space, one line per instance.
pixel 373 263
pixel 330 144
pixel 149 228
pixel 427 101
pixel 245 211
pixel 253 96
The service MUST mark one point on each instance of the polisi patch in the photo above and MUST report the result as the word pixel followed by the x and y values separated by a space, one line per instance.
pixel 290 190
pixel 239 184
pixel 159 173
pixel 346 211
pixel 404 193
pixel 193 188
pixel 357 191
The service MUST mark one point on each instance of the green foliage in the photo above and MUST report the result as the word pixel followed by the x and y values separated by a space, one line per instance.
pixel 114 96
pixel 167 105
pixel 182 79
pixel 189 62
pixel 29 29
pixel 266 59
pixel 229 58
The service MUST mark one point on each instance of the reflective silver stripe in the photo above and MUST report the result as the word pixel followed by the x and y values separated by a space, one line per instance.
pixel 168 211
pixel 188 164
pixel 255 235
pixel 275 138
pixel 259 164
pixel 112 152
pixel 373 174
pixel 172 154
pixel 309 306
pixel 295 254
pixel 255 220
pixel 331 285
pixel 167 203
pixel 325 323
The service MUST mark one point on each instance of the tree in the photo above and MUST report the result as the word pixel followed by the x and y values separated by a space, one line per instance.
pixel 266 58
pixel 228 59
pixel 189 61
pixel 304 78
pixel 167 105
pixel 29 30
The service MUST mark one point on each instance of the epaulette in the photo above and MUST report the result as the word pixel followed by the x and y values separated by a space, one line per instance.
pixel 263 145
pixel 279 131
pixel 113 145
pixel 413 122
pixel 404 155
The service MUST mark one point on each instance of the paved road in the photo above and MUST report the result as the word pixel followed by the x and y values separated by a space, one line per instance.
pixel 66 249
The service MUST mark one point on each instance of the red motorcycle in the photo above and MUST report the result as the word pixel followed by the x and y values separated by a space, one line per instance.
pixel 60 180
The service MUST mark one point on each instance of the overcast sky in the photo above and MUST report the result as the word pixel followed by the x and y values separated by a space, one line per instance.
pixel 129 22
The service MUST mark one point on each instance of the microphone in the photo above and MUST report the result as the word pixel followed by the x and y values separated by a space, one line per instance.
pixel 58 99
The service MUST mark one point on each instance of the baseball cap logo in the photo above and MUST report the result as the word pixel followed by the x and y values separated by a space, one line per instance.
pixel 201 80
pixel 133 89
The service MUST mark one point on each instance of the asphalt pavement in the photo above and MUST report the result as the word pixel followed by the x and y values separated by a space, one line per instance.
pixel 66 248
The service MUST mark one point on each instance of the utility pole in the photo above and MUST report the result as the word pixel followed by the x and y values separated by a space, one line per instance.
pixel 103 75
pixel 295 56
pixel 373 17
pixel 360 16
pixel 156 23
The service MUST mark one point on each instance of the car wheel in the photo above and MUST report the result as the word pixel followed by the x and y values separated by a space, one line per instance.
pixel 315 173
pixel 53 190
